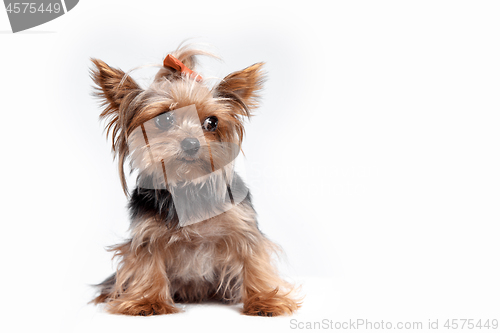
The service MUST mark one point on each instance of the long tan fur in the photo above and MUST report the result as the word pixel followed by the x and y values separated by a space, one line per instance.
pixel 224 258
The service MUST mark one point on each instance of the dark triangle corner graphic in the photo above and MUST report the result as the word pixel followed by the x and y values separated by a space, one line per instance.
pixel 70 4
pixel 26 15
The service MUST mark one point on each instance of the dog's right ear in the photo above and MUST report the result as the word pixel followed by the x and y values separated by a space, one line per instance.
pixel 112 87
pixel 116 91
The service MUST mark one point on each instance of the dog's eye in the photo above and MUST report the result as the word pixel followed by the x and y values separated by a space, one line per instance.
pixel 165 121
pixel 210 124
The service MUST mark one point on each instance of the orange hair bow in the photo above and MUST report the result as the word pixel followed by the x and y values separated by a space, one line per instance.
pixel 173 62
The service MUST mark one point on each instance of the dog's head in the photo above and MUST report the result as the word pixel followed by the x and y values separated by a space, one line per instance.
pixel 179 129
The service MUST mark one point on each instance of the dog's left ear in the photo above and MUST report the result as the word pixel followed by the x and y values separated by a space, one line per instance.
pixel 243 87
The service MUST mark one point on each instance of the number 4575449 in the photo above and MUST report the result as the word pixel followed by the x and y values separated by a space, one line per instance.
pixel 27 7
pixel 471 324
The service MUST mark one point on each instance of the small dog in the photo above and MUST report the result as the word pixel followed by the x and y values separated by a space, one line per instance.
pixel 194 233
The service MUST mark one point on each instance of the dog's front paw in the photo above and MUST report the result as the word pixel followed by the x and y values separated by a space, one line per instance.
pixel 142 308
pixel 269 305
pixel 150 309
pixel 102 298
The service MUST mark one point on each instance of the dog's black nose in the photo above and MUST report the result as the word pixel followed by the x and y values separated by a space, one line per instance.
pixel 190 145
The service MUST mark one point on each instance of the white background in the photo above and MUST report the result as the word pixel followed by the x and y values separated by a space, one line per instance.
pixel 373 161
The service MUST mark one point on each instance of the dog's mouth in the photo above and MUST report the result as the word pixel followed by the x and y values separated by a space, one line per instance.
pixel 187 160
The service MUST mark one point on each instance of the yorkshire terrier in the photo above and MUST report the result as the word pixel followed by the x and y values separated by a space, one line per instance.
pixel 194 233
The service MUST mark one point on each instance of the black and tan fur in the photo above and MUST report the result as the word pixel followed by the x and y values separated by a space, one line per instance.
pixel 223 258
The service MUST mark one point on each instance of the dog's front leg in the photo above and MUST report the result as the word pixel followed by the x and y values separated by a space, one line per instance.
pixel 141 285
pixel 264 292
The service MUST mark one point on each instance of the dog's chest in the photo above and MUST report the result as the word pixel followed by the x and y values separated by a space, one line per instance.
pixel 206 251
pixel 194 262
